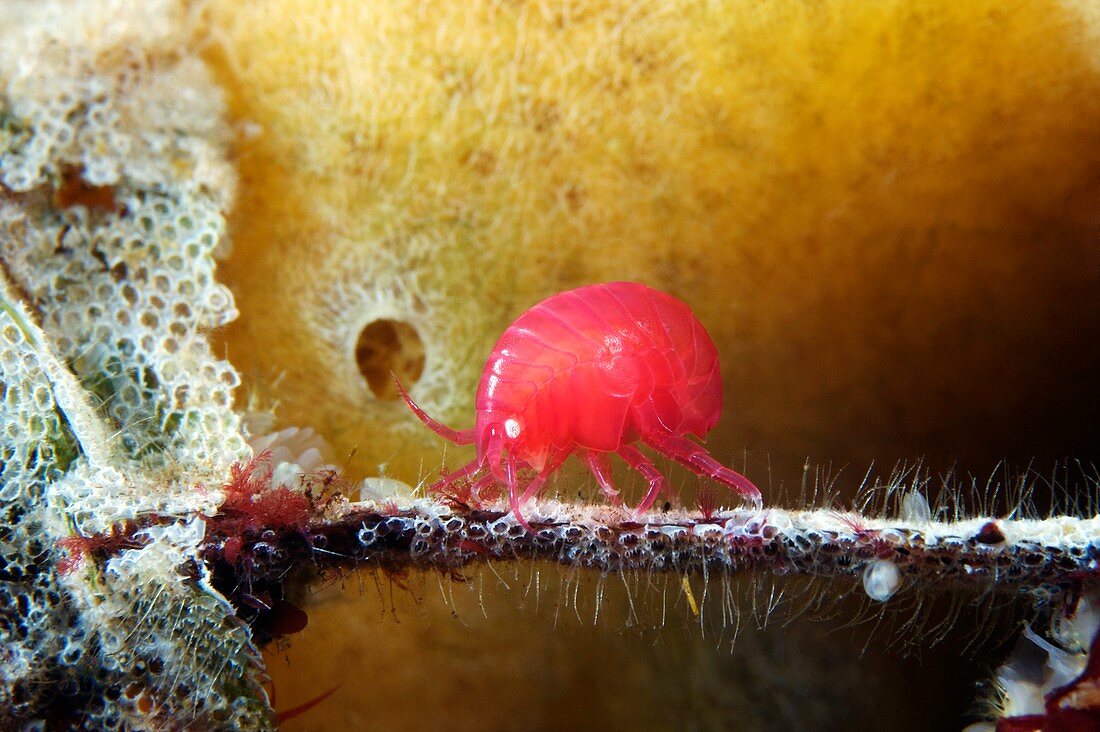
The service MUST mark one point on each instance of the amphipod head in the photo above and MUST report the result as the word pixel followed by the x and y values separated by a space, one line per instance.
pixel 501 436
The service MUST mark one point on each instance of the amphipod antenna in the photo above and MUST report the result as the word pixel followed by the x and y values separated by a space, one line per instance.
pixel 459 437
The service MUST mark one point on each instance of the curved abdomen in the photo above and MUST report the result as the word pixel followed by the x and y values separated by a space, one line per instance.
pixel 598 366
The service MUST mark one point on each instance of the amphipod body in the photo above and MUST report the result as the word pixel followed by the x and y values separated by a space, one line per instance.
pixel 594 371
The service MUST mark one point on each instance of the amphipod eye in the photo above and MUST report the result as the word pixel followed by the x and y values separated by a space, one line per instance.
pixel 512 428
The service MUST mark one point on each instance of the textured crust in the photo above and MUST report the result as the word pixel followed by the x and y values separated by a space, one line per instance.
pixel 1048 560
pixel 114 181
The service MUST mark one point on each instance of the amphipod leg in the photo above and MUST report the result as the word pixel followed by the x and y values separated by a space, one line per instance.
pixel 451 478
pixel 649 471
pixel 540 479
pixel 459 437
pixel 699 460
pixel 483 482
pixel 512 480
pixel 600 465
pixel 533 487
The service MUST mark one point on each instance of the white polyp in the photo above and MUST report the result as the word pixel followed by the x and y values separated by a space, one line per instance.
pixel 1027 678
pixel 297 445
pixel 1062 666
pixel 915 508
pixel 881 579
pixel 1021 694
pixel 382 489
pixel 285 475
pixel 1077 632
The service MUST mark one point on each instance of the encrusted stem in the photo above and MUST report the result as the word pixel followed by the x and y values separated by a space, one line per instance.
pixel 1043 558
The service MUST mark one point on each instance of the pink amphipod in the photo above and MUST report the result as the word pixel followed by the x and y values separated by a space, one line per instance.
pixel 593 371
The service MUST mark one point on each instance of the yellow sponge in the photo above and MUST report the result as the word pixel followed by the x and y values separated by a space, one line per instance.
pixel 844 191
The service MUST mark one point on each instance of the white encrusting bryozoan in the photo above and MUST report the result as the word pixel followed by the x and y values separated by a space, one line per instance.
pixel 1041 557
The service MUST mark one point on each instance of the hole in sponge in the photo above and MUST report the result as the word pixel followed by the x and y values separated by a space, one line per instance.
pixel 386 345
